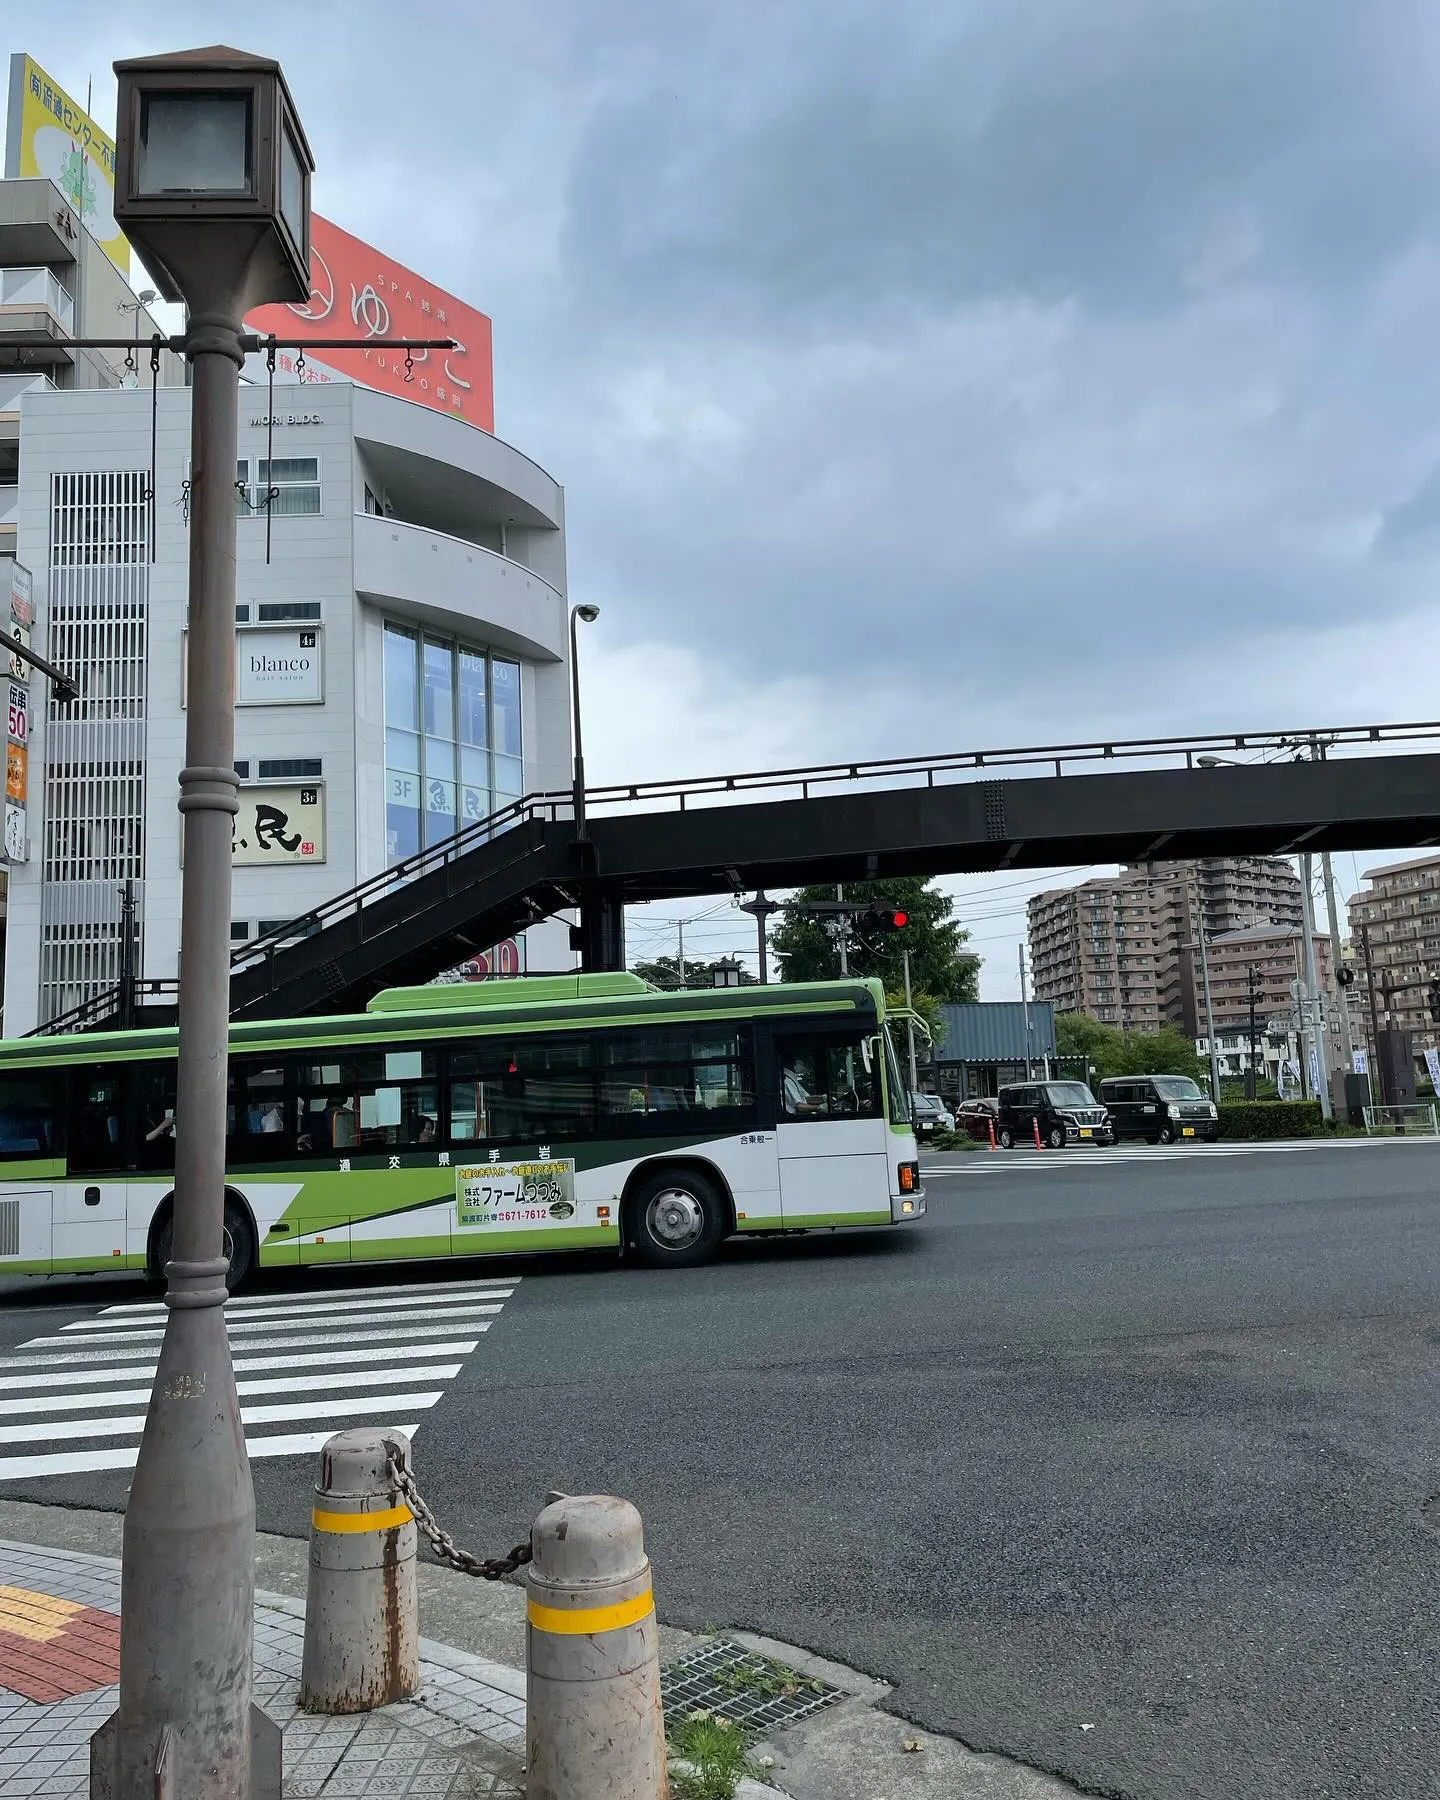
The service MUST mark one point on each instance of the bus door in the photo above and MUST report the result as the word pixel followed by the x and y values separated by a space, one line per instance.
pixel 831 1132
pixel 31 1107
pixel 90 1206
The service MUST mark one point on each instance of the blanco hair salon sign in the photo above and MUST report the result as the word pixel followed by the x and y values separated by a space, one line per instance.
pixel 279 668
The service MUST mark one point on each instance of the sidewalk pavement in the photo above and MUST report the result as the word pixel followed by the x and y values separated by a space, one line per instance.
pixel 462 1737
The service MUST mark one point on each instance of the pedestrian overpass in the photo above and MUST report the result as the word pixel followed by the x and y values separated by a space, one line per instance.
pixel 1140 800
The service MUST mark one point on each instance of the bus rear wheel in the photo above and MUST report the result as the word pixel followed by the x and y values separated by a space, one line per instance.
pixel 238 1247
pixel 674 1219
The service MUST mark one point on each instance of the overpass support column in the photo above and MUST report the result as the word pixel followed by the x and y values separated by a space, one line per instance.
pixel 602 928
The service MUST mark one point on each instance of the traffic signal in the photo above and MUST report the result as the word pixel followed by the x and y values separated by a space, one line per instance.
pixel 1433 1000
pixel 1345 975
pixel 883 918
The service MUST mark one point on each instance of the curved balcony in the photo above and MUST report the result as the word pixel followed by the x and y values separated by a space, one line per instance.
pixel 458 587
pixel 428 459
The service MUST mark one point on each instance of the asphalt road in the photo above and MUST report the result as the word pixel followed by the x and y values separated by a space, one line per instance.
pixel 1114 1464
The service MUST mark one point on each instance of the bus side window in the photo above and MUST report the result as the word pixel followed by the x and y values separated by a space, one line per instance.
pixel 97 1121
pixel 152 1099
pixel 29 1114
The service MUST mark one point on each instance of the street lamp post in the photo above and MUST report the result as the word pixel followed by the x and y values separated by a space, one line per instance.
pixel 760 909
pixel 589 614
pixel 146 297
pixel 213 189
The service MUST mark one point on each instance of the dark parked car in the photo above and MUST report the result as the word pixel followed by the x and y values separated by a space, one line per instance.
pixel 1067 1113
pixel 975 1118
pixel 1159 1108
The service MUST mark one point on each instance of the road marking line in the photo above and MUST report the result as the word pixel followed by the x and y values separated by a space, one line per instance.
pixel 333 1300
pixel 48 1372
pixel 249 1415
pixel 82 1462
pixel 280 1317
pixel 284 1384
pixel 93 1330
pixel 413 1334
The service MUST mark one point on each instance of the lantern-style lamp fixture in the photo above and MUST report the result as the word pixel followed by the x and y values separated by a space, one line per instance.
pixel 212 178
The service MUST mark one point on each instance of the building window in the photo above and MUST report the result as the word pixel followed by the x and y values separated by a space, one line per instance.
pixel 453 741
pixel 290 768
pixel 295 481
pixel 277 612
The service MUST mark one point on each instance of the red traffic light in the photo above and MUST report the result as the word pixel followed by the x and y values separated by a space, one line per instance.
pixel 900 918
pixel 884 918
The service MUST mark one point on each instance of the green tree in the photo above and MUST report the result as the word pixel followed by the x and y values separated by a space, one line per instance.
pixel 1111 1051
pixel 939 964
pixel 664 972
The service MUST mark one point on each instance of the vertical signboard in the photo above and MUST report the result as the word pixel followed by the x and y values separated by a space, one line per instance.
pixel 48 133
pixel 19 618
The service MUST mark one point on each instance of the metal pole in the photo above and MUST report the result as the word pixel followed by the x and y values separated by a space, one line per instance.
pixel 680 935
pixel 844 938
pixel 1314 1025
pixel 910 1025
pixel 1347 1036
pixel 578 783
pixel 760 948
pixel 1025 1002
pixel 1252 982
pixel 188 1569
pixel 1377 1073
pixel 1209 1016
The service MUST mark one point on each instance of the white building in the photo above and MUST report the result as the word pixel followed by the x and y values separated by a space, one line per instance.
pixel 401 662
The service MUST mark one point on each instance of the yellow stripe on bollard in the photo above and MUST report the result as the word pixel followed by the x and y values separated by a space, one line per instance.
pixel 361 1521
pixel 583 1621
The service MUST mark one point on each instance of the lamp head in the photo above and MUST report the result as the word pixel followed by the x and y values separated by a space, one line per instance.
pixel 212 178
pixel 588 613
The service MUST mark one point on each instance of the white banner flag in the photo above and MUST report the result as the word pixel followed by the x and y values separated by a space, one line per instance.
pixel 1362 1062
pixel 1432 1064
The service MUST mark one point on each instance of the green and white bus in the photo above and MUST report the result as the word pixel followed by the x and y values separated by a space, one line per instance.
pixel 548 1113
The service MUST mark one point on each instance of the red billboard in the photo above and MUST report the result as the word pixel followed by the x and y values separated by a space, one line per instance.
pixel 358 292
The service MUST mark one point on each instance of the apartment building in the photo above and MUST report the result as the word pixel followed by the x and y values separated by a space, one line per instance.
pixel 1120 948
pixel 1399 914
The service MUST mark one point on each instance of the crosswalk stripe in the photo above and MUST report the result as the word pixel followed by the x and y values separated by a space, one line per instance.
pixel 407 1293
pixel 142 1339
pixel 304 1370
pixel 43 1372
pixel 308 1315
pixel 34 1403
pixel 81 1462
pixel 89 1330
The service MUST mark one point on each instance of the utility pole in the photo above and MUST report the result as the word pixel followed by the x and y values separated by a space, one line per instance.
pixel 910 1025
pixel 1209 1015
pixel 680 956
pixel 844 933
pixel 1252 981
pixel 1314 1022
pixel 1347 1036
pixel 1025 1002
pixel 1378 1071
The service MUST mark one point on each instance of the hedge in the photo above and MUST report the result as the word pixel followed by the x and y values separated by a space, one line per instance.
pixel 1271 1119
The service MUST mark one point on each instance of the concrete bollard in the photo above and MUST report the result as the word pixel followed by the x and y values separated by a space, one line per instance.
pixel 595 1727
pixel 362 1622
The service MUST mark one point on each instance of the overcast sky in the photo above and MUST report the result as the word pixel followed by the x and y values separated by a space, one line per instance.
pixel 929 375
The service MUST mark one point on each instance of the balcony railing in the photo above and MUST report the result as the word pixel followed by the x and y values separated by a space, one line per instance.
pixel 37 287
pixel 14 387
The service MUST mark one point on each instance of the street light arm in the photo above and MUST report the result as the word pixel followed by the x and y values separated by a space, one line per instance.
pixel 65 689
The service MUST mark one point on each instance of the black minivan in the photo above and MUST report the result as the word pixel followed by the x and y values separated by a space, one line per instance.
pixel 1159 1108
pixel 1066 1112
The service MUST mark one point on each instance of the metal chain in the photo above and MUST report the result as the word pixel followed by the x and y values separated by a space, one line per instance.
pixel 489 1568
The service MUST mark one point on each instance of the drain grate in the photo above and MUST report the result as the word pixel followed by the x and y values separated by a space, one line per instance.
pixel 754 1692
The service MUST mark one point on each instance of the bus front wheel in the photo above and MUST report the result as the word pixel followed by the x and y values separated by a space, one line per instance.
pixel 239 1246
pixel 674 1219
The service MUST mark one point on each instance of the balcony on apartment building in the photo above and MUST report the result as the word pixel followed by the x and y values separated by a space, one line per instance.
pixel 37 313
